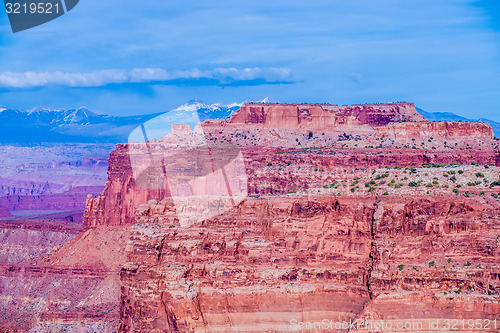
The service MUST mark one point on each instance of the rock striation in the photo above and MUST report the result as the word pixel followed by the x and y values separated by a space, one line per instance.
pixel 64 279
pixel 354 213
pixel 442 130
pixel 324 117
pixel 254 268
pixel 121 196
pixel 273 260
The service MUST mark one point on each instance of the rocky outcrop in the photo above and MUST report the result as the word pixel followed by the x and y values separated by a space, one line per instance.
pixel 254 268
pixel 441 130
pixel 269 171
pixel 25 240
pixel 120 198
pixel 324 117
pixel 273 134
pixel 51 284
pixel 375 226
pixel 275 261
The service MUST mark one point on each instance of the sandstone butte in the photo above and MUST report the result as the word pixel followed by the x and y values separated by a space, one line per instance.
pixel 363 212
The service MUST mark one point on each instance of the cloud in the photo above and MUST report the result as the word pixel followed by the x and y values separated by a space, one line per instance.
pixel 217 76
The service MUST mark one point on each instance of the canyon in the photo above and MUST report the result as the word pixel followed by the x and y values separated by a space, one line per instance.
pixel 363 212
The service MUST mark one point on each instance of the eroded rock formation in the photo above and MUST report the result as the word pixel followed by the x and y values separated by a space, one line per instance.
pixel 273 260
pixel 442 130
pixel 324 117
pixel 364 212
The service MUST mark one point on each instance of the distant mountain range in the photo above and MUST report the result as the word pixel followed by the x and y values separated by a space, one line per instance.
pixel 83 125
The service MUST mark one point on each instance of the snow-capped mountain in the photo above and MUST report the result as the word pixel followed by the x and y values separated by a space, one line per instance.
pixel 209 111
pixel 43 124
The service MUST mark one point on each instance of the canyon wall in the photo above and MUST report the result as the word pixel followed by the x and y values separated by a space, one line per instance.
pixel 121 196
pixel 55 278
pixel 271 171
pixel 373 225
pixel 442 130
pixel 324 117
pixel 254 268
pixel 273 261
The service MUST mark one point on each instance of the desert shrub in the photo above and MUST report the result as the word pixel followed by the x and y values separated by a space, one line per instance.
pixel 495 183
pixel 380 176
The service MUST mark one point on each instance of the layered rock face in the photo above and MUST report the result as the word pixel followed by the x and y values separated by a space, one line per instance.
pixel 435 259
pixel 263 129
pixel 75 287
pixel 121 196
pixel 397 223
pixel 269 171
pixel 442 130
pixel 272 262
pixel 25 240
pixel 254 268
pixel 324 117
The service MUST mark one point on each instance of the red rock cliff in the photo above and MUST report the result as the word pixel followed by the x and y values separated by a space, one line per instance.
pixel 120 198
pixel 442 130
pixel 393 227
pixel 324 117
pixel 273 260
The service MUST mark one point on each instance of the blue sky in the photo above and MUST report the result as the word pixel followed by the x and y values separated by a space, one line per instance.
pixel 136 57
